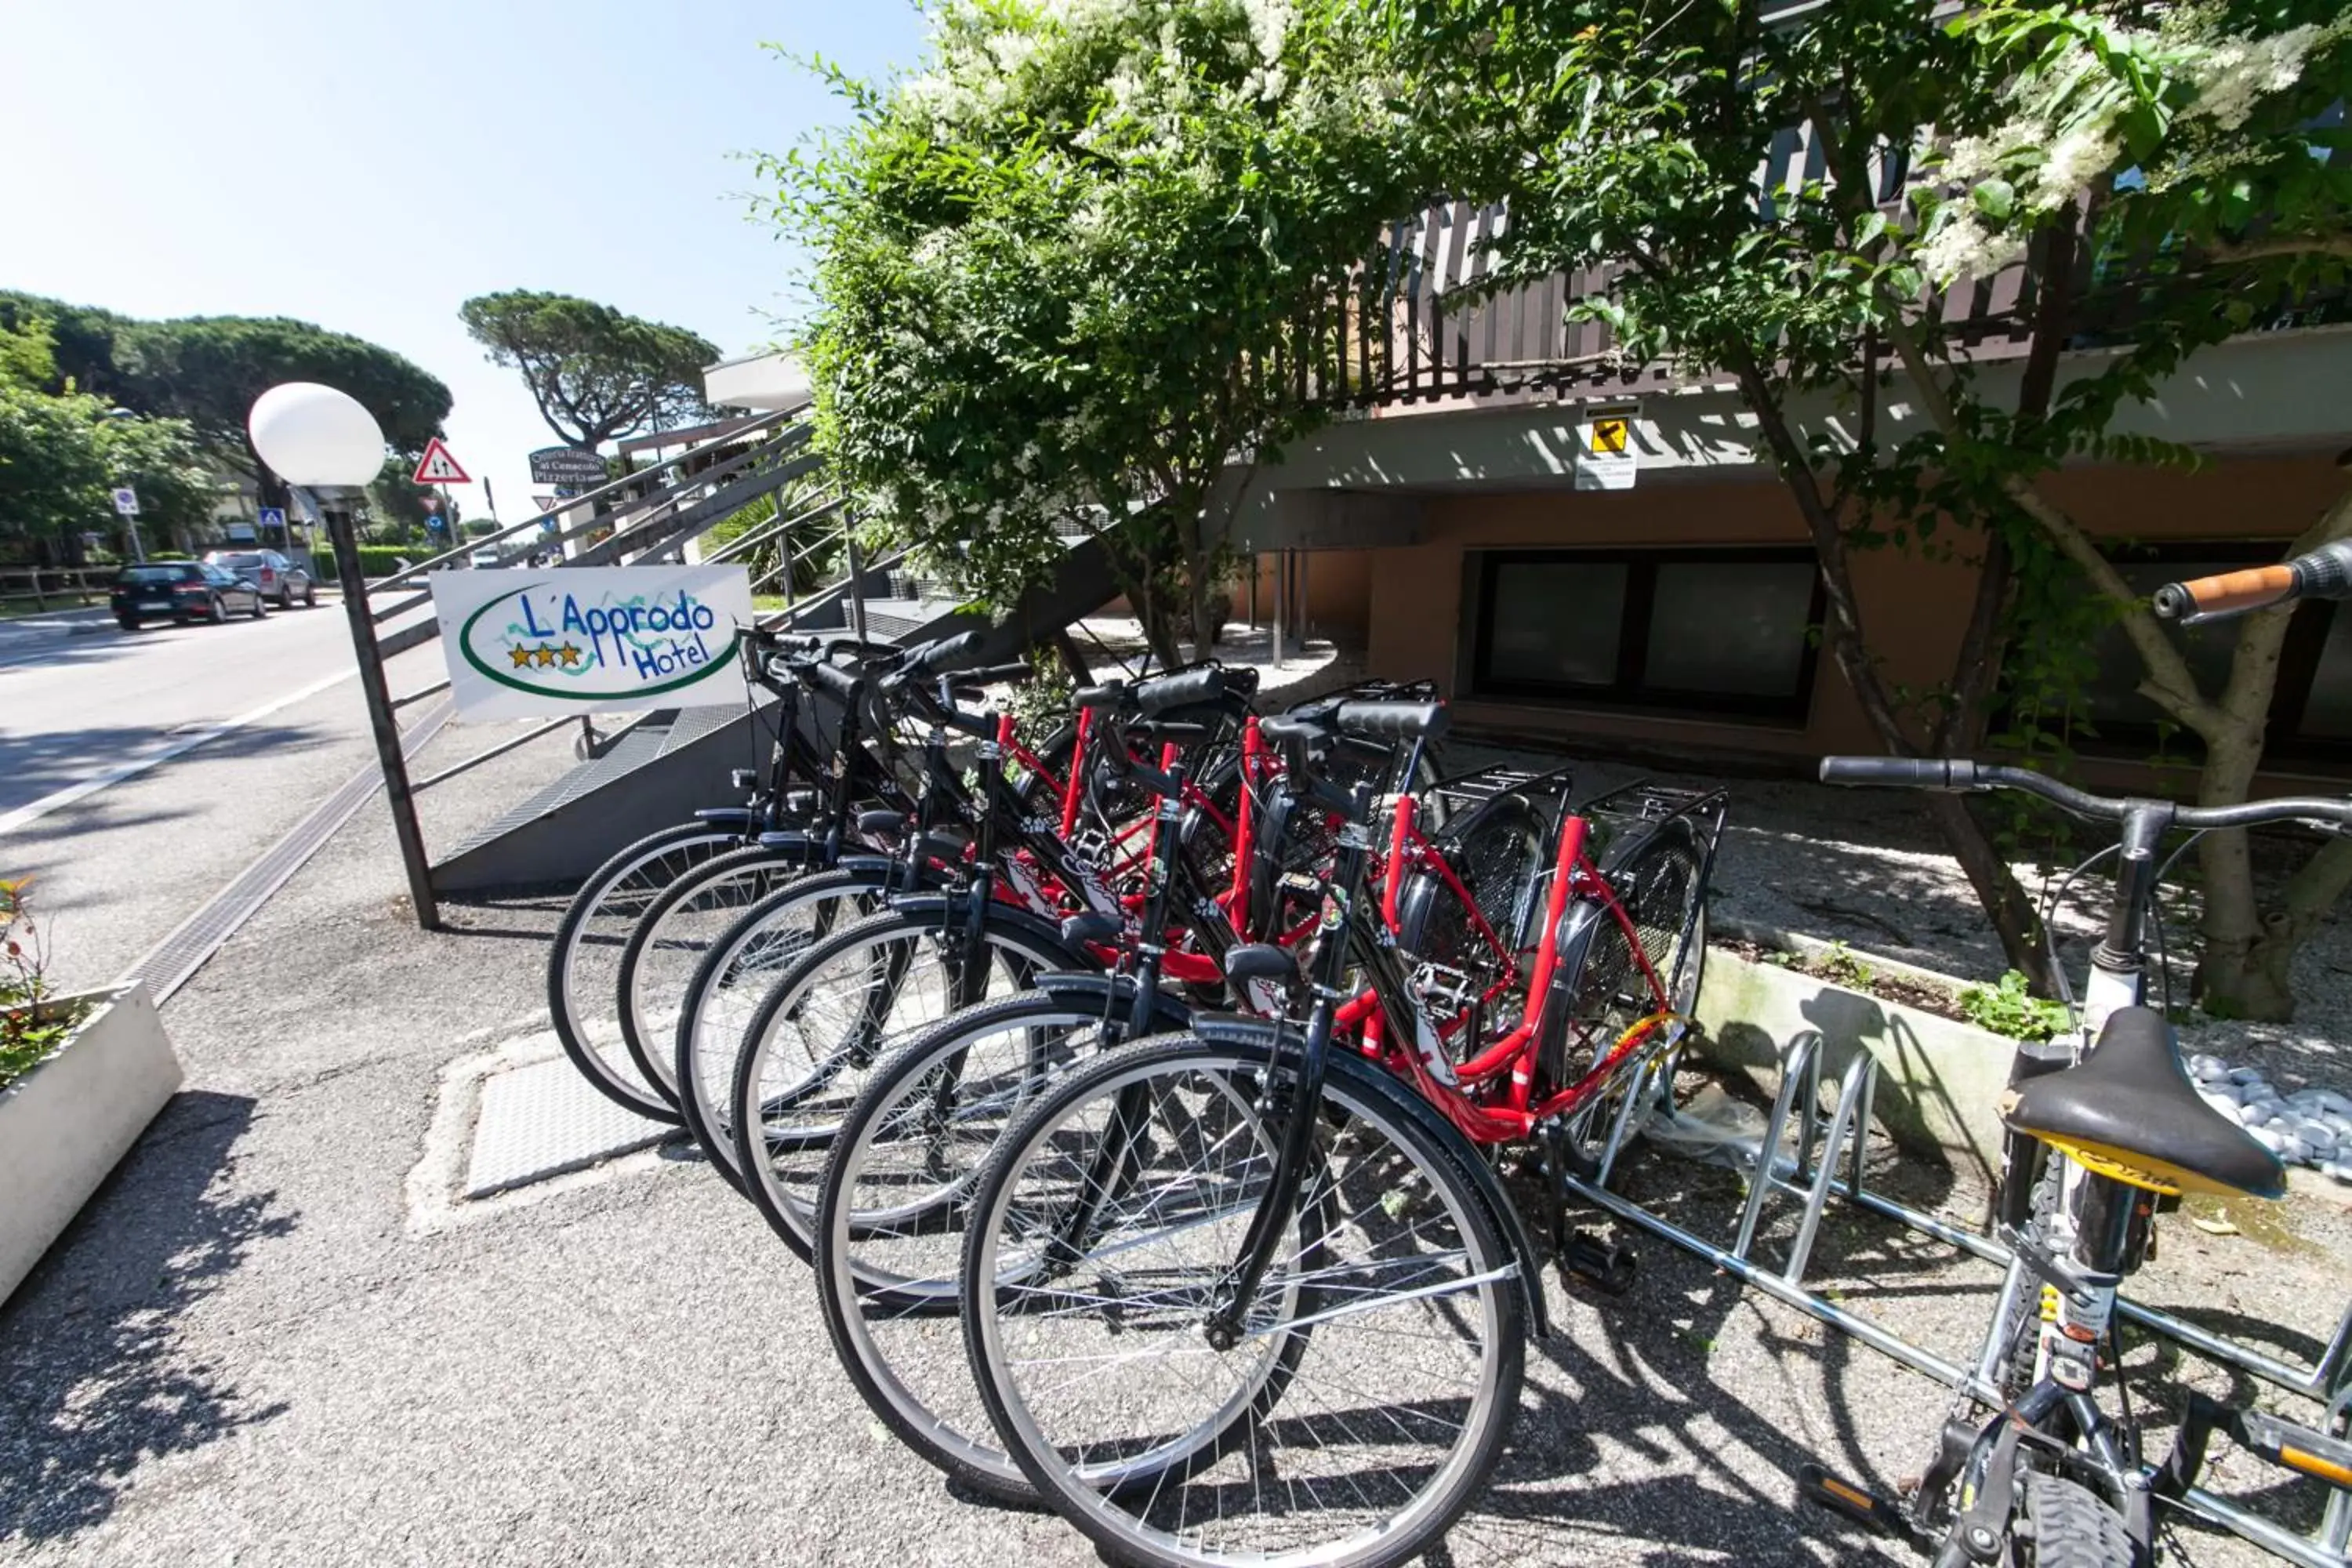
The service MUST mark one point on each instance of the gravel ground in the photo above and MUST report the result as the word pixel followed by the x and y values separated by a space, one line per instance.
pixel 250 1350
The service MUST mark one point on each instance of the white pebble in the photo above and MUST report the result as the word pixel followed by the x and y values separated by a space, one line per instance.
pixel 2221 1093
pixel 2338 1169
pixel 2254 1115
pixel 2334 1104
pixel 2245 1075
pixel 2318 1134
pixel 2296 1152
pixel 2206 1068
pixel 2270 1138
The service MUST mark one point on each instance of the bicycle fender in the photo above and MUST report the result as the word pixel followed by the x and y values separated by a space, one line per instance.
pixel 792 845
pixel 1377 1080
pixel 1115 994
pixel 867 865
pixel 941 906
pixel 739 817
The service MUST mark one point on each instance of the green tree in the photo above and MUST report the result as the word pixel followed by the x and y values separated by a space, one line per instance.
pixel 1623 135
pixel 1059 278
pixel 207 370
pixel 596 373
pixel 60 452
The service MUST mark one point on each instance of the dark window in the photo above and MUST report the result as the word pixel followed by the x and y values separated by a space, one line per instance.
pixel 1709 631
pixel 2311 707
pixel 143 576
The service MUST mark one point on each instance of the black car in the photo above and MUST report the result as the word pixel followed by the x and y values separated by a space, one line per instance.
pixel 183 590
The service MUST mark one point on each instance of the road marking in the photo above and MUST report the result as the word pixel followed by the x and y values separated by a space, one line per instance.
pixel 23 816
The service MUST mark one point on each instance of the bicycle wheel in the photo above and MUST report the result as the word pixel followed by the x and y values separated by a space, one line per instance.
pixel 1497 853
pixel 1611 990
pixel 846 1003
pixel 1378 1368
pixel 584 960
pixel 889 1224
pixel 666 948
pixel 2066 1526
pixel 734 978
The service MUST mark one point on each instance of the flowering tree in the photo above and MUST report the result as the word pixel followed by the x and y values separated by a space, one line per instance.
pixel 2055 136
pixel 1055 271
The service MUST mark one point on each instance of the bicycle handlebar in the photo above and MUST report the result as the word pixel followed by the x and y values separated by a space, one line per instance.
pixel 1960 776
pixel 2323 574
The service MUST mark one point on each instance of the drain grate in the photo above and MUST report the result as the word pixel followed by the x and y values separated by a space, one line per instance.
pixel 544 1120
pixel 174 961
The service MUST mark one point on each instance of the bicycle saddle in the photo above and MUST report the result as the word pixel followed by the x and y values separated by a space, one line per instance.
pixel 2129 1110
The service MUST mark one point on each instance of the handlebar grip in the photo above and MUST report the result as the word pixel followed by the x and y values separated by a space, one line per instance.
pixel 1906 772
pixel 983 725
pixel 995 674
pixel 1202 685
pixel 941 656
pixel 1393 721
pixel 2228 593
pixel 833 682
pixel 2321 574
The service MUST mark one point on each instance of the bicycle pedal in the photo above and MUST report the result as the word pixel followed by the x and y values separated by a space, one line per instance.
pixel 1860 1504
pixel 2297 1448
pixel 1606 1266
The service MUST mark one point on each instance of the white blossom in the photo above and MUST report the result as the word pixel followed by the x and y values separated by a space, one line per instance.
pixel 2237 72
pixel 1965 248
pixel 1269 22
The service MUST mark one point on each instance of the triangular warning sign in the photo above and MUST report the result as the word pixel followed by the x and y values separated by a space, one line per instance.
pixel 438 468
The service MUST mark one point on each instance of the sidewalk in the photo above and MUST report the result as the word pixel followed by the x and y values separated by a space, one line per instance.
pixel 261 1345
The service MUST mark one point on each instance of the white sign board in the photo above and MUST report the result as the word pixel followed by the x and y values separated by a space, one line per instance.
pixel 601 639
pixel 126 502
pixel 1608 452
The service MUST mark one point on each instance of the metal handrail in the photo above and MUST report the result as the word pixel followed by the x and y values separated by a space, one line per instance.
pixel 781 418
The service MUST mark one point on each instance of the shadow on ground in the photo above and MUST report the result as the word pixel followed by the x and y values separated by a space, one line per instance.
pixel 93 1383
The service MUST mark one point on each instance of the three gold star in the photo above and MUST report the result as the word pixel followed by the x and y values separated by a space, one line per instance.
pixel 544 655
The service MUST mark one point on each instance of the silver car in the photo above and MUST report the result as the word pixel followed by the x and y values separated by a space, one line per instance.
pixel 271 575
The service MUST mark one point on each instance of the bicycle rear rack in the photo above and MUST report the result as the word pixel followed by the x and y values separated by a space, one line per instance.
pixel 1825 1139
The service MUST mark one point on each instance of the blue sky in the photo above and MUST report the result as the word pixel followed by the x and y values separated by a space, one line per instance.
pixel 367 166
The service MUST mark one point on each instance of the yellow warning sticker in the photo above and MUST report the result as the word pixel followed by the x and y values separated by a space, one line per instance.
pixel 1609 435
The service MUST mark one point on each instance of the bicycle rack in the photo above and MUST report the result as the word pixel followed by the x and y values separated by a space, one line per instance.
pixel 1824 1141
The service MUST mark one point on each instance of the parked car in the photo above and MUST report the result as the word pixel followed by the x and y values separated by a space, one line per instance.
pixel 183 590
pixel 277 578
pixel 485 557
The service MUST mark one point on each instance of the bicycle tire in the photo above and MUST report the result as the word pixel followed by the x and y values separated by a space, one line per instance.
pixel 844 1004
pixel 1163 1518
pixel 734 978
pixel 1658 881
pixel 889 1273
pixel 672 935
pixel 1498 853
pixel 627 882
pixel 2063 1525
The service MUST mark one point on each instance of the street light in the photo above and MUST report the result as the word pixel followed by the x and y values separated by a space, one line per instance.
pixel 319 439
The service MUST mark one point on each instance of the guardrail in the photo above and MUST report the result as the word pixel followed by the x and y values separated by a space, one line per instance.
pixel 51 587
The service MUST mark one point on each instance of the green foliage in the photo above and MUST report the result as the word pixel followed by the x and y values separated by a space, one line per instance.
pixel 2011 1009
pixel 32 1022
pixel 207 370
pixel 596 373
pixel 1055 272
pixel 375 560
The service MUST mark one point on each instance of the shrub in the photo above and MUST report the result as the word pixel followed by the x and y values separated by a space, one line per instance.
pixel 32 1023
pixel 375 560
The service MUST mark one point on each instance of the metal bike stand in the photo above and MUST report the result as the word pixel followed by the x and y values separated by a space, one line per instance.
pixel 1823 1143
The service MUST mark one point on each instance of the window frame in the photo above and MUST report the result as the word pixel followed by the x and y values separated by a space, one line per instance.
pixel 1627 694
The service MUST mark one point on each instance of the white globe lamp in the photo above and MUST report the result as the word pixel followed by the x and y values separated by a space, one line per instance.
pixel 316 437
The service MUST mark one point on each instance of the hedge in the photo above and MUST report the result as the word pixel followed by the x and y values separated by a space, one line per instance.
pixel 375 560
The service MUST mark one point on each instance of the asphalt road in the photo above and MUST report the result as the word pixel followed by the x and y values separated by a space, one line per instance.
pixel 234 732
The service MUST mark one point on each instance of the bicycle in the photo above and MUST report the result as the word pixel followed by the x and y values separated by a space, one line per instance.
pixel 610 904
pixel 1227 1232
pixel 2100 1136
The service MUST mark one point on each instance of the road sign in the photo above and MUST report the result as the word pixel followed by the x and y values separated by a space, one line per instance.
pixel 126 502
pixel 438 468
pixel 1607 456
pixel 566 466
pixel 273 517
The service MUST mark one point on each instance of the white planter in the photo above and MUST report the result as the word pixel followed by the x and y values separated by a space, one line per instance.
pixel 64 1125
pixel 1939 1080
